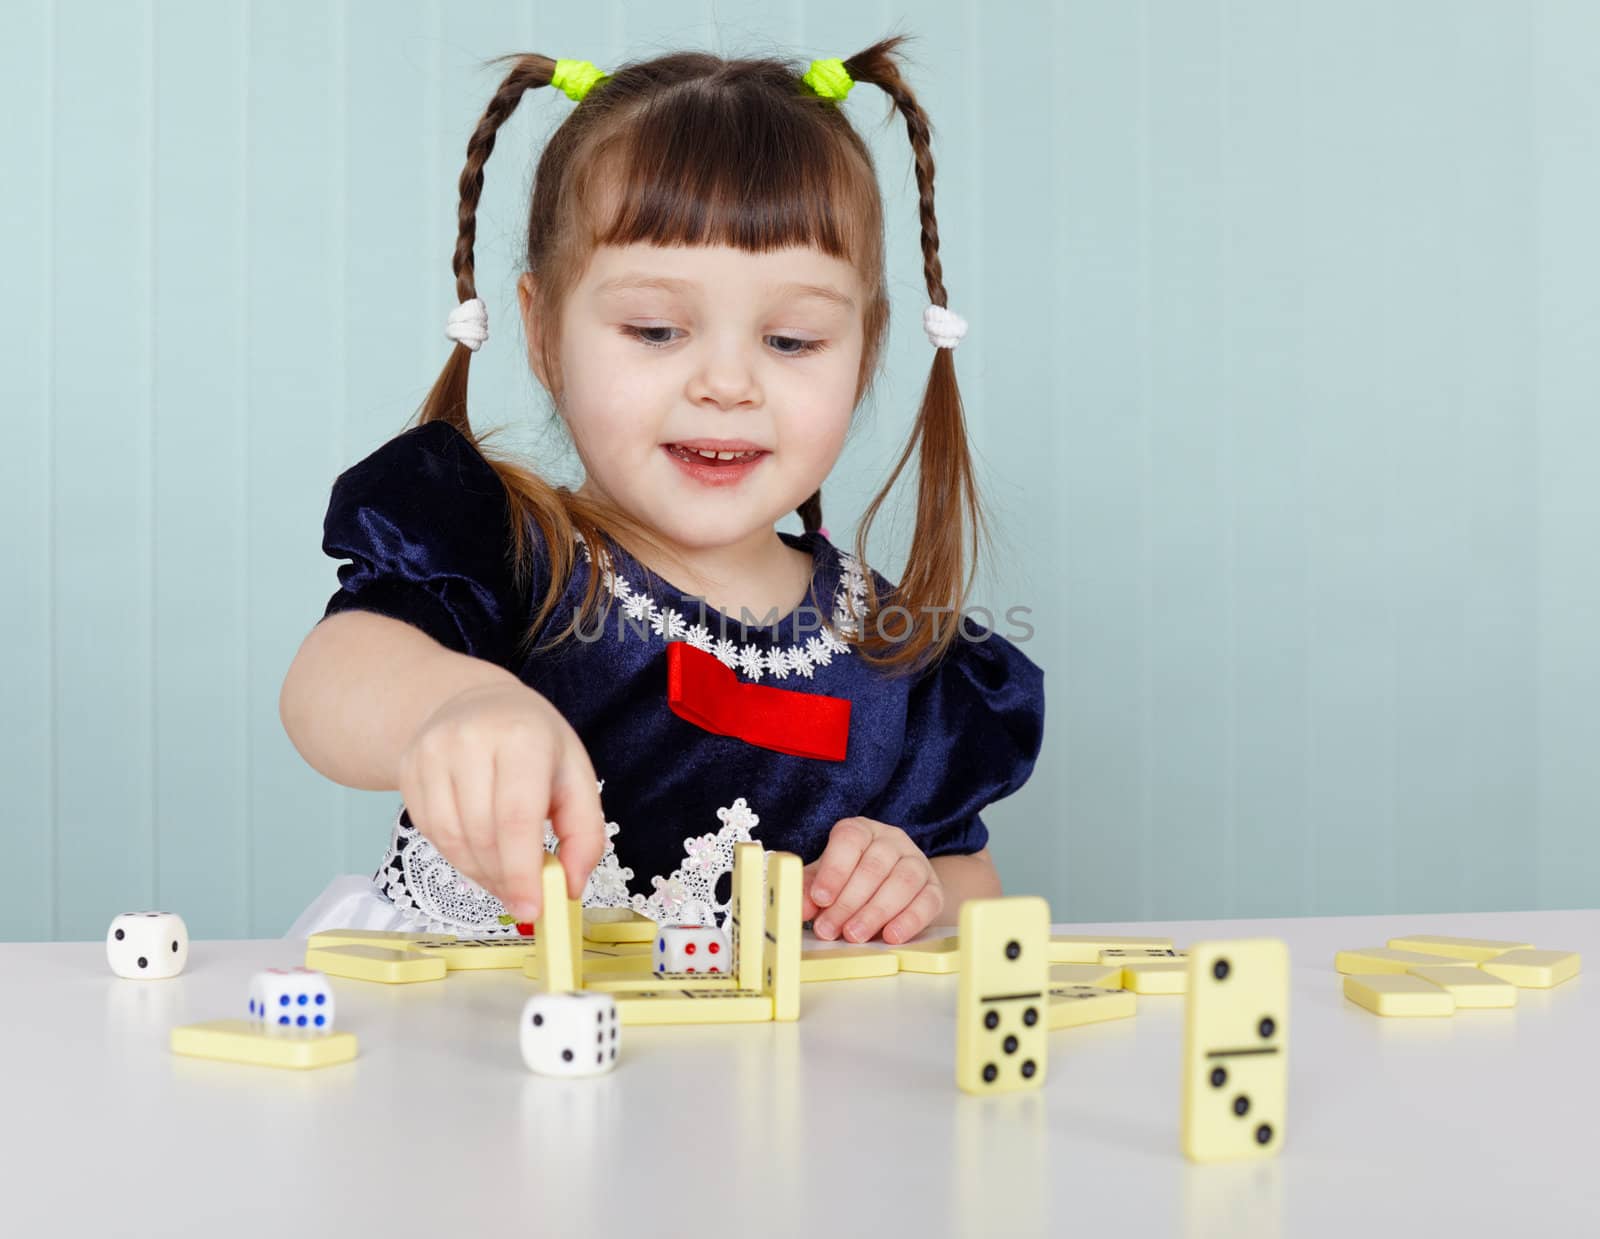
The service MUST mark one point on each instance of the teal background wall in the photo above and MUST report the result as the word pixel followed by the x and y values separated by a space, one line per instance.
pixel 1284 372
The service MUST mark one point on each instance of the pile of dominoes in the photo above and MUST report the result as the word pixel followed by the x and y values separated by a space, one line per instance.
pixel 599 969
pixel 1433 974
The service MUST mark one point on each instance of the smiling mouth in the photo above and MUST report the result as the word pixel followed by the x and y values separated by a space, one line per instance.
pixel 703 457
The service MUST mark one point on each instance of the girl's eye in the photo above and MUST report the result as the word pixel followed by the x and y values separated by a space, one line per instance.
pixel 642 335
pixel 804 346
pixel 651 338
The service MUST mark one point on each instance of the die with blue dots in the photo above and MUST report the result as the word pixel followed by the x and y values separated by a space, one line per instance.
pixel 291 1001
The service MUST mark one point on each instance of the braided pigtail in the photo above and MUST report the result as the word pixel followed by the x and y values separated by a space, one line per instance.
pixel 949 521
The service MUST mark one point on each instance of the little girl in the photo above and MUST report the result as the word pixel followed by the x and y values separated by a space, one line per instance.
pixel 704 300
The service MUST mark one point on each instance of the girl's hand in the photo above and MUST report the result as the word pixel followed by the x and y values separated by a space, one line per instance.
pixel 481 776
pixel 870 877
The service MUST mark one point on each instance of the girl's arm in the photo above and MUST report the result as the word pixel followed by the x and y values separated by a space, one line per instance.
pixel 965 877
pixel 360 687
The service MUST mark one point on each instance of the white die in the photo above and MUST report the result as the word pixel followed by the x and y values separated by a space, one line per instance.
pixel 147 945
pixel 291 1000
pixel 692 948
pixel 570 1034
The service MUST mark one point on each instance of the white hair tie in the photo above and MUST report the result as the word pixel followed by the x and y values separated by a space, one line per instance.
pixel 469 324
pixel 944 327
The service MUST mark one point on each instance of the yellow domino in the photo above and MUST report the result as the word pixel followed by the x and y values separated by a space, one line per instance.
pixel 694 1006
pixel 1100 976
pixel 620 948
pixel 470 954
pixel 241 1041
pixel 780 937
pixel 1156 976
pixel 1140 955
pixel 557 934
pixel 1235 1050
pixel 1068 1006
pixel 1086 948
pixel 934 955
pixel 391 938
pixel 650 982
pixel 1534 969
pixel 1374 959
pixel 1470 987
pixel 596 963
pixel 617 925
pixel 746 908
pixel 1472 949
pixel 848 963
pixel 374 963
pixel 1398 994
pixel 1001 1027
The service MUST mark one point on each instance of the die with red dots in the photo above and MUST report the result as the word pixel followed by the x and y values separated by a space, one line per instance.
pixel 570 1034
pixel 697 949
pixel 147 945
pixel 291 1000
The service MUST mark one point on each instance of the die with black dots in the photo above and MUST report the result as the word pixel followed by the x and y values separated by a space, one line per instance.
pixel 147 946
pixel 570 1034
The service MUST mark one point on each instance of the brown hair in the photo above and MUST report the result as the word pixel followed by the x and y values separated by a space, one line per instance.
pixel 687 149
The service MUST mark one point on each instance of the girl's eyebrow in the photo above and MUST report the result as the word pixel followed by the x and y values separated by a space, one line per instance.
pixel 820 292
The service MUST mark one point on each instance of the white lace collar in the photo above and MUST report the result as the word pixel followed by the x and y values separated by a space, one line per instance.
pixel 431 896
pixel 748 659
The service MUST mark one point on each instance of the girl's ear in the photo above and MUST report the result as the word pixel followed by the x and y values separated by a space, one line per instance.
pixel 532 328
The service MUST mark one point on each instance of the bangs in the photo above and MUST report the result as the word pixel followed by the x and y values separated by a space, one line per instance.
pixel 698 167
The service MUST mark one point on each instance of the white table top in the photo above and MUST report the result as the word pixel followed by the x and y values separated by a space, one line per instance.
pixel 845 1123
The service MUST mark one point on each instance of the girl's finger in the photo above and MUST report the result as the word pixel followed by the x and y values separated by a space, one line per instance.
pixel 576 817
pixel 904 883
pixel 519 814
pixel 846 842
pixel 871 870
pixel 472 783
pixel 927 905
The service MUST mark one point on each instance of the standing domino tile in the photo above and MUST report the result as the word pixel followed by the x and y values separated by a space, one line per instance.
pixel 745 913
pixel 557 937
pixel 692 950
pixel 569 1034
pixel 147 945
pixel 781 935
pixel 1235 1050
pixel 291 1000
pixel 1001 1033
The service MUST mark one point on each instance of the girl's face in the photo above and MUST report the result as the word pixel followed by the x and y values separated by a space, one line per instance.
pixel 715 347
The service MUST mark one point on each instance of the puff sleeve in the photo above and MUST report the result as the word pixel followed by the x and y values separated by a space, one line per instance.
pixel 974 725
pixel 423 522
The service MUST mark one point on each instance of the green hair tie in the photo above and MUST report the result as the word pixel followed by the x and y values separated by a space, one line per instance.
pixel 828 78
pixel 575 77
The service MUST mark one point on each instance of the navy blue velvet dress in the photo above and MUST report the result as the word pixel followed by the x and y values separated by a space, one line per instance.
pixel 422 521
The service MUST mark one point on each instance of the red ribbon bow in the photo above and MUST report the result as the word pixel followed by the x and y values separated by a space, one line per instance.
pixel 701 690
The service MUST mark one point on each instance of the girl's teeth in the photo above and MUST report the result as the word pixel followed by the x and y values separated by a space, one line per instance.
pixel 709 455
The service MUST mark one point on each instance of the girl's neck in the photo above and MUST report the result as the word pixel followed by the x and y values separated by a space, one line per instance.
pixel 760 573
